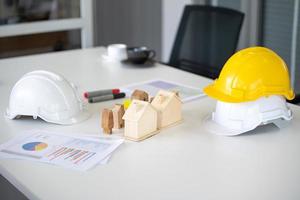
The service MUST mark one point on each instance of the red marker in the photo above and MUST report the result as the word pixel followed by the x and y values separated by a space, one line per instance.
pixel 106 97
pixel 100 93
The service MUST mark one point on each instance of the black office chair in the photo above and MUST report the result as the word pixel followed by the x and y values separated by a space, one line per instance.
pixel 206 38
pixel 296 100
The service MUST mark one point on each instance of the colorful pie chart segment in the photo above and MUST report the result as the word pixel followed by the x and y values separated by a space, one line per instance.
pixel 35 146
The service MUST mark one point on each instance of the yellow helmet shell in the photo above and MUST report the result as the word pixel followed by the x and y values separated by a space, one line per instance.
pixel 250 74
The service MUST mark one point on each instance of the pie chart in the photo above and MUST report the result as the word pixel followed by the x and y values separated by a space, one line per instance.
pixel 35 146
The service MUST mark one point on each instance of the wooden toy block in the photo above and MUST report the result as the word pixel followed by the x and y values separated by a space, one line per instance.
pixel 118 112
pixel 140 95
pixel 107 121
pixel 176 92
pixel 151 99
pixel 168 105
pixel 140 120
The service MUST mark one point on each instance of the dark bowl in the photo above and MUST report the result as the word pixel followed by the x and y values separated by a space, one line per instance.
pixel 139 55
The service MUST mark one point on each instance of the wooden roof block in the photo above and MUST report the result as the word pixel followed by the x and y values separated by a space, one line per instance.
pixel 136 110
pixel 163 98
pixel 107 122
pixel 140 95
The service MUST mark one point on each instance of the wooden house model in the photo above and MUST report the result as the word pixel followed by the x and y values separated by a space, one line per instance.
pixel 168 105
pixel 140 120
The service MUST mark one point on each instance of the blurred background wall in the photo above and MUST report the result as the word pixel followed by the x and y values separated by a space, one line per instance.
pixel 38 26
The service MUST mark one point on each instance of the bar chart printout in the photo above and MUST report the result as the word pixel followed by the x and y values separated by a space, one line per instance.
pixel 74 152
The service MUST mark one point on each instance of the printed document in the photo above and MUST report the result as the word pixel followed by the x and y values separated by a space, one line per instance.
pixel 186 93
pixel 75 152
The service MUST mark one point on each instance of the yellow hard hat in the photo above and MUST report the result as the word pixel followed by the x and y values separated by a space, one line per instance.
pixel 250 74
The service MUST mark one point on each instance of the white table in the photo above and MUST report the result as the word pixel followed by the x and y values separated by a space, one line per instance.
pixel 181 162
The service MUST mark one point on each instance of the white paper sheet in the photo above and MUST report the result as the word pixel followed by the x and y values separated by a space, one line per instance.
pixel 186 93
pixel 75 152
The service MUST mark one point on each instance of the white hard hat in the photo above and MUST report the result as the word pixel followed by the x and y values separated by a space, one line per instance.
pixel 237 118
pixel 46 95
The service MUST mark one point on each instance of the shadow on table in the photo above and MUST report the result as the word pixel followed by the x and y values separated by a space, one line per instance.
pixel 265 129
pixel 148 64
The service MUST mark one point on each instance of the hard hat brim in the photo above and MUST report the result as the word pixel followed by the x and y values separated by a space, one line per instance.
pixel 212 92
pixel 218 129
pixel 80 117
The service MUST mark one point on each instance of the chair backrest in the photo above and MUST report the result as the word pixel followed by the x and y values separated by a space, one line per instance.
pixel 207 36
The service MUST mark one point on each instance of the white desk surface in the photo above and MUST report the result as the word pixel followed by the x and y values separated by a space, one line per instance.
pixel 181 162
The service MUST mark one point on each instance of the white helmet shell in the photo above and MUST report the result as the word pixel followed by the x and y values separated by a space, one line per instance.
pixel 237 118
pixel 46 95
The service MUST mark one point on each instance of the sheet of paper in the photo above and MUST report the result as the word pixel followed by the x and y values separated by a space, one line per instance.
pixel 75 152
pixel 186 93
